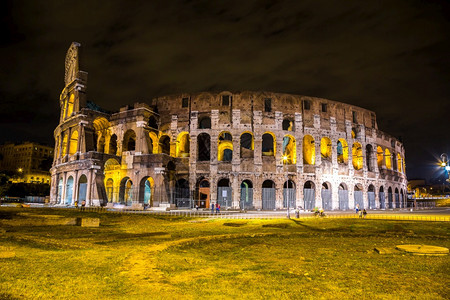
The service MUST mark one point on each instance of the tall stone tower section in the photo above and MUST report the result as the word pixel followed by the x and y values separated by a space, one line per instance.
pixel 73 96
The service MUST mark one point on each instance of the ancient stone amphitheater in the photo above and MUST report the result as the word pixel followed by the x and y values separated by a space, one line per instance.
pixel 248 150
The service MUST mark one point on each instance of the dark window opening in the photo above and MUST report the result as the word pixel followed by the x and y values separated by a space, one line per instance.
pixel 288 125
pixel 226 100
pixel 204 147
pixel 355 119
pixel 307 104
pixel 268 105
pixel 324 107
pixel 185 102
pixel 205 123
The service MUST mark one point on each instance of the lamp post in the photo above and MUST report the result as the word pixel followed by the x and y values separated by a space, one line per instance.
pixel 445 164
pixel 288 215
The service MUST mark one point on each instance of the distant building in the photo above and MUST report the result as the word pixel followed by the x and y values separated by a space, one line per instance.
pixel 30 161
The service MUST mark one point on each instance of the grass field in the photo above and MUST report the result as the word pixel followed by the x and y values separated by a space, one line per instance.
pixel 148 257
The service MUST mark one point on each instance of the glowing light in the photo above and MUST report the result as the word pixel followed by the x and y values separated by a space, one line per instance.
pixel 285 158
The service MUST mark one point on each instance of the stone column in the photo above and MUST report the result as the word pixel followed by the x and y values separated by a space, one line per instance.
pixel 89 188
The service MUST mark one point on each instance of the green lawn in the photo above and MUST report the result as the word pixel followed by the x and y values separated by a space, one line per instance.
pixel 148 257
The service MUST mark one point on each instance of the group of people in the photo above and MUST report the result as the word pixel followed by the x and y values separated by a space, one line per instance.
pixel 83 204
pixel 361 213
pixel 216 207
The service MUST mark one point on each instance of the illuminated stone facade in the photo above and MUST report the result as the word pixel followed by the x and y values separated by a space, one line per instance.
pixel 250 150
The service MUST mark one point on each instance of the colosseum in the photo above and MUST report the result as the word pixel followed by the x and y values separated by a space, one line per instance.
pixel 244 150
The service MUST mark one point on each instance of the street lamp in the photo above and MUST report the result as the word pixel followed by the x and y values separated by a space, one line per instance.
pixel 445 165
pixel 285 158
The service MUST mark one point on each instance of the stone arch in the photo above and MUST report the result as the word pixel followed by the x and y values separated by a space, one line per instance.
pixel 126 191
pixel 288 124
pixel 289 149
pixel 152 144
pixel 358 196
pixel 129 141
pixel 268 144
pixel 382 197
pixel 164 144
pixel 246 200
pixel 82 188
pixel 73 143
pixel 153 123
pixel 325 148
pixel 247 145
pixel 70 105
pixel 64 145
pixel 390 198
pixel 113 145
pixel 203 147
pixel 327 203
pixel 380 156
pixel 183 145
pixel 388 159
pixel 224 192
pixel 268 195
pixel 289 194
pixel 204 122
pixel 397 198
pixel 101 126
pixel 225 146
pixel 309 150
pixel 369 155
pixel 109 184
pixel 399 163
pixel 202 192
pixel 146 191
pixel 309 195
pixel 182 194
pixel 342 151
pixel 343 196
pixel 357 156
pixel 69 191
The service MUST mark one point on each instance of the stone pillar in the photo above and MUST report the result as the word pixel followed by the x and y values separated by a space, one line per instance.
pixel 141 140
pixel 64 188
pixel 236 192
pixel 89 188
pixel 75 186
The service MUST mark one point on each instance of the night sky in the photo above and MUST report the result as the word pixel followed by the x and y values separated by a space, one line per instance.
pixel 392 57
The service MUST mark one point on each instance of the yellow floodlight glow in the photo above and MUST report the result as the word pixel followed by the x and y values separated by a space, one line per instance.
pixel 285 158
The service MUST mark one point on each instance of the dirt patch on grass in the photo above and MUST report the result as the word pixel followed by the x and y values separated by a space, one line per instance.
pixel 277 225
pixel 235 224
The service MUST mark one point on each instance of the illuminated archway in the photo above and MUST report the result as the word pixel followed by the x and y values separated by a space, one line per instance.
pixel 113 145
pixel 183 145
pixel 73 144
pixel 289 149
pixel 126 191
pixel 268 144
pixel 309 150
pixel 110 190
pixel 64 145
pixel 357 156
pixel 70 104
pixel 82 188
pixel 380 156
pixel 399 163
pixel 247 145
pixel 69 191
pixel 325 148
pixel 153 143
pixel 388 159
pixel 146 191
pixel 164 144
pixel 342 151
pixel 225 147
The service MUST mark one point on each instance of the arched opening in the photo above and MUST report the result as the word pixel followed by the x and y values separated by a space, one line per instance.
pixel 64 145
pixel 327 203
pixel 247 145
pixel 357 156
pixel 289 194
pixel 371 196
pixel 246 201
pixel 369 151
pixel 309 195
pixel 342 151
pixel 399 163
pixel 152 123
pixel 268 195
pixel 113 145
pixel 380 157
pixel 402 199
pixel 325 148
pixel 69 190
pixel 70 104
pixel 101 144
pixel 309 150
pixel 390 198
pixel 126 192
pixel 82 188
pixel 182 194
pixel 397 198
pixel 73 145
pixel 289 150
pixel 110 190
pixel 101 126
pixel 152 143
pixel 183 145
pixel 224 193
pixel 268 144
pixel 204 123
pixel 288 125
pixel 203 193
pixel 388 159
pixel 358 196
pixel 164 144
pixel 147 191
pixel 225 147
pixel 204 147
pixel 343 196
pixel 129 141
pixel 382 197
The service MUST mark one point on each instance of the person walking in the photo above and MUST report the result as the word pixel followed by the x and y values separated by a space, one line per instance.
pixel 364 212
pixel 217 208
pixel 212 207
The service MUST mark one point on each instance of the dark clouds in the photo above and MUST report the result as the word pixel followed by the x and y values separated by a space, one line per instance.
pixel 391 57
